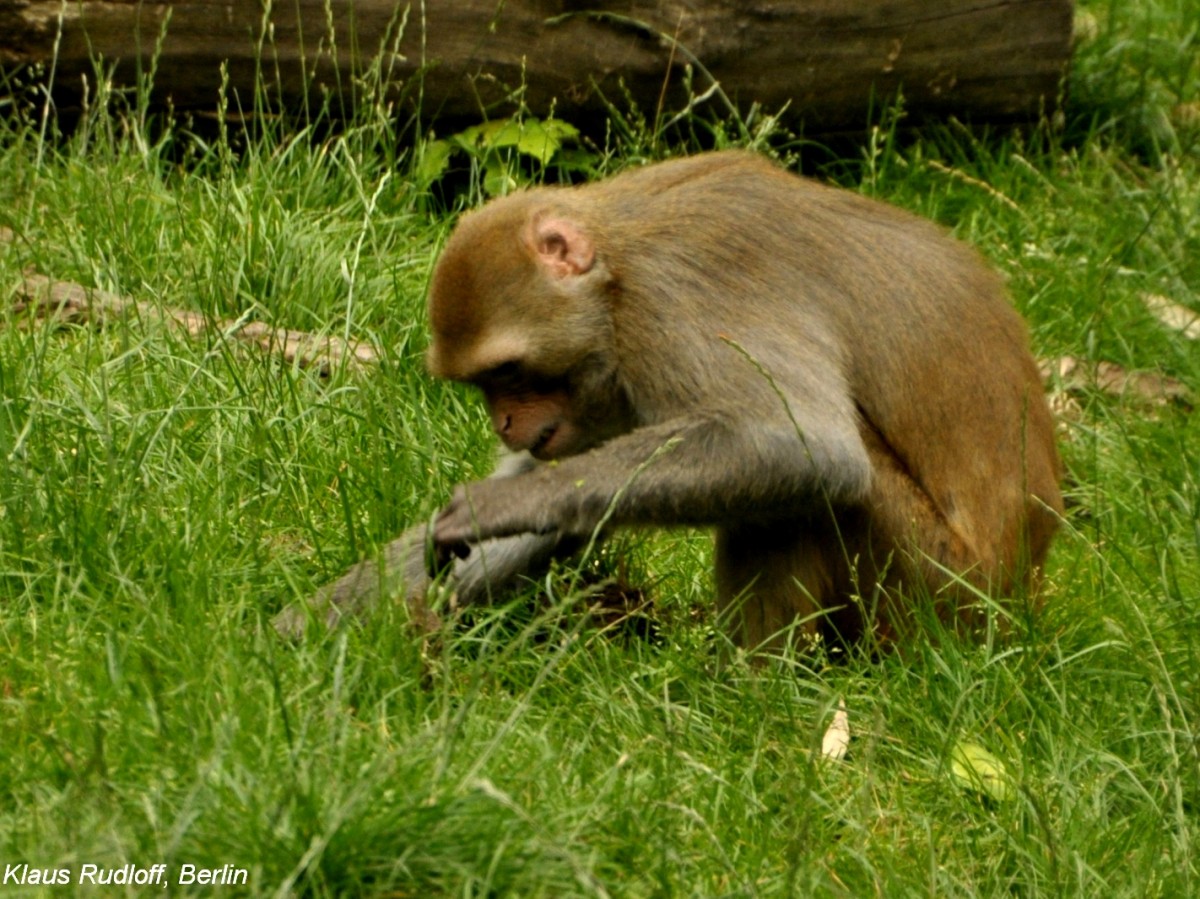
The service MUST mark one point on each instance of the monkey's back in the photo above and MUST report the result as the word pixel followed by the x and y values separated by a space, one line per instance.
pixel 934 356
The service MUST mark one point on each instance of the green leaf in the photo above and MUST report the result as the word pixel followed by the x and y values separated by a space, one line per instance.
pixel 477 137
pixel 497 181
pixel 575 159
pixel 435 159
pixel 503 133
pixel 543 139
pixel 977 769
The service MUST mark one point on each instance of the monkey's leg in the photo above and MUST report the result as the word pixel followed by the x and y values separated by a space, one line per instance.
pixel 493 567
pixel 920 547
pixel 769 577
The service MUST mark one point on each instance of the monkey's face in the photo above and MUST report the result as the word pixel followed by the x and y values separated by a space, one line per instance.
pixel 519 307
pixel 530 412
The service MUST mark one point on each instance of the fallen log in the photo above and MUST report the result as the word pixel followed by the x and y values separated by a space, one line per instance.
pixel 827 61
pixel 66 303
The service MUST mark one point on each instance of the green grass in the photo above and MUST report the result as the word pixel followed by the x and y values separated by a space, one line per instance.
pixel 162 496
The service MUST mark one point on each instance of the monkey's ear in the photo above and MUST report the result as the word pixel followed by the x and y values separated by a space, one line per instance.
pixel 562 246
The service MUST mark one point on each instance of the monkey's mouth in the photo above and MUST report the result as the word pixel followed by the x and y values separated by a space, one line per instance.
pixel 540 448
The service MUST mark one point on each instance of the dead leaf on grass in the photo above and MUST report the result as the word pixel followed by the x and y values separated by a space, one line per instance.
pixel 1187 115
pixel 1176 317
pixel 1067 374
pixel 836 741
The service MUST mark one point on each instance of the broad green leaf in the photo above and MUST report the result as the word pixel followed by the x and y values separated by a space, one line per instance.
pixel 537 142
pixel 498 133
pixel 976 768
pixel 496 179
pixel 543 139
pixel 435 159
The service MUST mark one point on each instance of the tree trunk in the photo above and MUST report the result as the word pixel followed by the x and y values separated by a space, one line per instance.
pixel 826 60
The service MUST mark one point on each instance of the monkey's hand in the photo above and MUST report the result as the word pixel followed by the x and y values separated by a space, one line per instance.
pixel 495 508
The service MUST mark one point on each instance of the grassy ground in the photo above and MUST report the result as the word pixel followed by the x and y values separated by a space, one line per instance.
pixel 161 496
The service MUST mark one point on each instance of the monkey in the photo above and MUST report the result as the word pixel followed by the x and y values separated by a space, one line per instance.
pixel 838 388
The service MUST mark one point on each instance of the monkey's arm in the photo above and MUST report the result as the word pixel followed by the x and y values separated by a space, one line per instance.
pixel 402 570
pixel 691 471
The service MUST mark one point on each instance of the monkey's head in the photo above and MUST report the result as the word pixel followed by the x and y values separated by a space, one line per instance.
pixel 519 307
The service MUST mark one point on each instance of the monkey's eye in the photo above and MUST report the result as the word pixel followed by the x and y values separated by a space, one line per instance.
pixel 504 377
pixel 514 379
pixel 506 371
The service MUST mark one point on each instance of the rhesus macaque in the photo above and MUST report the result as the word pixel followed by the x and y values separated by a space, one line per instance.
pixel 838 388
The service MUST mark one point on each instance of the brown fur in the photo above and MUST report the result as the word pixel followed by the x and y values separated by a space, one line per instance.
pixel 835 385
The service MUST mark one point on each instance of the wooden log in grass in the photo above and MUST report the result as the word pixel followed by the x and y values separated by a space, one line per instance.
pixel 828 61
pixel 67 303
